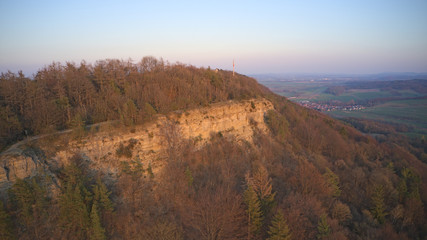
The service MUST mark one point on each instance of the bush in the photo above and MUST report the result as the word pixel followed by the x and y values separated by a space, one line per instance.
pixel 123 151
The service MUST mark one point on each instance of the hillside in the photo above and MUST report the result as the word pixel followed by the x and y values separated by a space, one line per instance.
pixel 192 153
pixel 69 96
pixel 108 147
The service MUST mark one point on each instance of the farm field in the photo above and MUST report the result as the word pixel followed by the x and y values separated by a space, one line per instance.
pixel 412 113
pixel 402 103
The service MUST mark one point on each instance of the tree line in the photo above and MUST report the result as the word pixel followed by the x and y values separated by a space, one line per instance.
pixel 62 96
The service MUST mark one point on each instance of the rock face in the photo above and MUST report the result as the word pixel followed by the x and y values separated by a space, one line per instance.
pixel 105 150
pixel 20 164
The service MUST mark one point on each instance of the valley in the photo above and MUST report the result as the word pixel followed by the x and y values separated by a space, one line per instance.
pixel 401 103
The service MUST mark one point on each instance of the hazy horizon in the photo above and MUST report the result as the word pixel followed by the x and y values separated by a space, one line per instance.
pixel 31 71
pixel 351 37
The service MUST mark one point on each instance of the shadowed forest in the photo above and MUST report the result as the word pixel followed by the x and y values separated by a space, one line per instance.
pixel 310 177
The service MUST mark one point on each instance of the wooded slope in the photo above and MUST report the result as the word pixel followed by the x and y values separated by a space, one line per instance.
pixel 310 177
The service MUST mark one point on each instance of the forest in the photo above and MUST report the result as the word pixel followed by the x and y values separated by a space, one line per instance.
pixel 61 97
pixel 310 177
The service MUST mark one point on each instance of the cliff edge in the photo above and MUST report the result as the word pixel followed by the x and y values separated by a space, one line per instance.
pixel 106 150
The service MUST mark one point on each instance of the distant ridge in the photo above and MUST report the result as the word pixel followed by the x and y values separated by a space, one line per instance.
pixel 386 76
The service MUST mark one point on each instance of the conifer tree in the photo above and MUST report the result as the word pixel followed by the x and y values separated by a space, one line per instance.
pixel 97 232
pixel 74 203
pixel 6 227
pixel 333 182
pixel 279 229
pixel 129 113
pixel 102 195
pixel 74 216
pixel 323 228
pixel 149 111
pixel 254 212
pixel 29 203
pixel 78 125
pixel 409 184
pixel 21 197
pixel 378 209
pixel 261 184
pixel 189 176
pixel 402 188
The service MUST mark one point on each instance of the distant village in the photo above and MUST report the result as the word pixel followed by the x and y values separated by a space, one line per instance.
pixel 328 107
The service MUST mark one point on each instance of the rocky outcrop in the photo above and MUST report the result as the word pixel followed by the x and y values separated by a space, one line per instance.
pixel 105 150
pixel 20 164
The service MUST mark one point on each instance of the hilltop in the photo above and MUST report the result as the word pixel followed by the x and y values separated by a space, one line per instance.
pixel 169 151
pixel 69 96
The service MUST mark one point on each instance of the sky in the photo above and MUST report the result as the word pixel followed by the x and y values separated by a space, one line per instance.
pixel 283 36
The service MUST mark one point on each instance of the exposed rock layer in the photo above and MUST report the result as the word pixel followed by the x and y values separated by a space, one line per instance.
pixel 147 143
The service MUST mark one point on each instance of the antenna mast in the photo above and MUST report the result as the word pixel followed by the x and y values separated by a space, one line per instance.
pixel 233 67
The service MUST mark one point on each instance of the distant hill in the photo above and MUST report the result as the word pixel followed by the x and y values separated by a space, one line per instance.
pixel 338 77
pixel 417 85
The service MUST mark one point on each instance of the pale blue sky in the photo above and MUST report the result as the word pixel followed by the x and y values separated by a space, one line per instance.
pixel 341 36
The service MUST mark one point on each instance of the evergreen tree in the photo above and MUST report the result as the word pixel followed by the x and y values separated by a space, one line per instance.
pixel 21 198
pixel 83 210
pixel 149 111
pixel 78 126
pixel 74 216
pixel 279 229
pixel 261 184
pixel 129 113
pixel 6 227
pixel 30 203
pixel 189 177
pixel 254 212
pixel 97 232
pixel 402 188
pixel 74 202
pixel 378 206
pixel 323 228
pixel 333 182
pixel 409 184
pixel 102 196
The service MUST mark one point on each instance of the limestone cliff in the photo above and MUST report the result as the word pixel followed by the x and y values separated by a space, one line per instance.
pixel 105 150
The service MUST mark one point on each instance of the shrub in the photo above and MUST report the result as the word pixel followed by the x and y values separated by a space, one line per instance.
pixel 126 151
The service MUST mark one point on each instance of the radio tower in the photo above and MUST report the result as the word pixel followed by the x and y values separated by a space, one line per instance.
pixel 233 67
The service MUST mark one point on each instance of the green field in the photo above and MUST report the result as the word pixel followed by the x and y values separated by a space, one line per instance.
pixel 315 91
pixel 412 113
pixel 395 106
pixel 363 95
